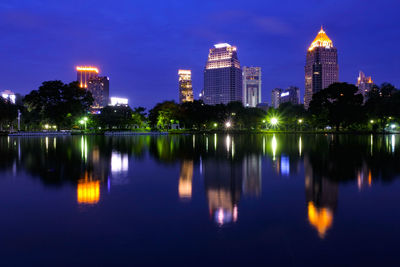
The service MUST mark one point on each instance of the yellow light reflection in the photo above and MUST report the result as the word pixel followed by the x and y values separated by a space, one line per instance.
pixel 320 218
pixel 185 179
pixel 88 192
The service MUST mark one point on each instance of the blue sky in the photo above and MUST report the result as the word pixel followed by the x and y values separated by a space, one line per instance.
pixel 140 45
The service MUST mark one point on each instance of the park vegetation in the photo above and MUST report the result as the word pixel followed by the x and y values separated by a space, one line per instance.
pixel 58 106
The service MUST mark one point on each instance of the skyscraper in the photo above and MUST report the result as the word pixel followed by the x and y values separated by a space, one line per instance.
pixel 84 74
pixel 290 94
pixel 276 97
pixel 251 86
pixel 88 77
pixel 364 84
pixel 185 86
pixel 222 76
pixel 322 67
pixel 100 89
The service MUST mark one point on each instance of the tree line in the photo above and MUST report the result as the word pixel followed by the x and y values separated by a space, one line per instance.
pixel 58 106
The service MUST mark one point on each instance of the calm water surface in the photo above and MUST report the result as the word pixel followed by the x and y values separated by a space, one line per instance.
pixel 203 200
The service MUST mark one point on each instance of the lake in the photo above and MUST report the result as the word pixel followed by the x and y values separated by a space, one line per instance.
pixel 200 200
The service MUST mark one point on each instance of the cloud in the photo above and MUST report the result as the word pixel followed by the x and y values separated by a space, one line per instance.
pixel 271 25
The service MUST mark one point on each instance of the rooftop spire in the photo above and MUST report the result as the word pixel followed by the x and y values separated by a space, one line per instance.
pixel 322 40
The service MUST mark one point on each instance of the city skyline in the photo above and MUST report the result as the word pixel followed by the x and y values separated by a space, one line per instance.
pixel 267 37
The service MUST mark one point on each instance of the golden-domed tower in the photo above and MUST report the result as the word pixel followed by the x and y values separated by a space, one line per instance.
pixel 322 67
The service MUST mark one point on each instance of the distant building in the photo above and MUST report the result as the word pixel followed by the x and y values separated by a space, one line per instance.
pixel 100 89
pixel 222 76
pixel 364 84
pixel 9 96
pixel 118 101
pixel 251 86
pixel 84 74
pixel 276 97
pixel 185 86
pixel 291 94
pixel 321 68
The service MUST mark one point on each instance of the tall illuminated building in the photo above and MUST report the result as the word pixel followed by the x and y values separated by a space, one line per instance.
pixel 185 86
pixel 321 68
pixel 276 97
pixel 84 74
pixel 100 89
pixel 290 94
pixel 251 86
pixel 88 77
pixel 222 76
pixel 364 84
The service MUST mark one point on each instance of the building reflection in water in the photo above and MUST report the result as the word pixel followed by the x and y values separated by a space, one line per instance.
pixel 119 168
pixel 88 191
pixel 185 179
pixel 321 198
pixel 252 175
pixel 223 186
pixel 364 177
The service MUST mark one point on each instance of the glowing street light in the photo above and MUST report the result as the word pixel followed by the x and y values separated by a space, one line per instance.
pixel 371 121
pixel 393 126
pixel 300 121
pixel 274 121
pixel 228 124
pixel 215 124
pixel 83 121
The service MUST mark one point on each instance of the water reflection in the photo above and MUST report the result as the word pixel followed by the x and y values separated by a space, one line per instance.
pixel 185 179
pixel 231 166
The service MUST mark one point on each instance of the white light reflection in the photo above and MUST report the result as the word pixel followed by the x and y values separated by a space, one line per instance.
pixel 274 146
pixel 215 142
pixel 393 143
pixel 372 144
pixel 300 146
pixel 228 142
pixel 119 163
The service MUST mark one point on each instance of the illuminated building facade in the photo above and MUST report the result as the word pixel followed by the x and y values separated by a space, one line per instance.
pixel 100 89
pixel 290 94
pixel 84 74
pixel 364 84
pixel 321 68
pixel 276 97
pixel 252 175
pixel 222 76
pixel 118 101
pixel 251 86
pixel 185 86
pixel 9 96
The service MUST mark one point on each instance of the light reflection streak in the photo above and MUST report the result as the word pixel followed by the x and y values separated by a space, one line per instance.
pixel 215 142
pixel 320 218
pixel 88 192
pixel 393 143
pixel 300 146
pixel 274 146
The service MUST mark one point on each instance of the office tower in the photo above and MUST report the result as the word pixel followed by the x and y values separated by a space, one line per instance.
pixel 9 96
pixel 364 84
pixel 321 68
pixel 291 94
pixel 251 86
pixel 222 76
pixel 84 74
pixel 185 86
pixel 275 97
pixel 100 89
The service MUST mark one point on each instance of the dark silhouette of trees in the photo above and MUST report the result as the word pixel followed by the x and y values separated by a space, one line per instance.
pixel 339 105
pixel 58 104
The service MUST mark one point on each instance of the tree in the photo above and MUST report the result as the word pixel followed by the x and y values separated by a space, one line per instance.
pixel 8 112
pixel 58 103
pixel 139 117
pixel 338 105
pixel 161 115
pixel 116 117
pixel 383 102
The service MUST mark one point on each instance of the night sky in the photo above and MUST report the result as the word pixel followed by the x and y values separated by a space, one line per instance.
pixel 140 45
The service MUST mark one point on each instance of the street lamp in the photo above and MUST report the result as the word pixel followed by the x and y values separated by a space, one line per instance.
pixel 215 124
pixel 228 124
pixel 300 121
pixel 274 121
pixel 84 121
